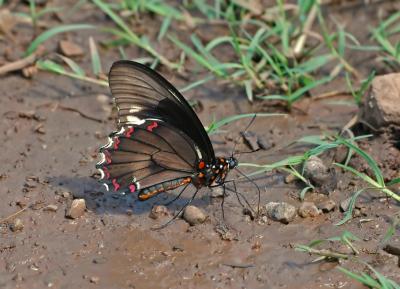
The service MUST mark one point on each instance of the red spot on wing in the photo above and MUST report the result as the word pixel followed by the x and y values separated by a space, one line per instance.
pixel 202 165
pixel 106 172
pixel 107 157
pixel 115 184
pixel 152 126
pixel 116 143
pixel 129 132
pixel 132 188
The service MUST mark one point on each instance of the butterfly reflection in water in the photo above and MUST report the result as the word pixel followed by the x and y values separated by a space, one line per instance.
pixel 161 144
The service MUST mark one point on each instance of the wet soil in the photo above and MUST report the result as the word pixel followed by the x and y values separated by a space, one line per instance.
pixel 48 156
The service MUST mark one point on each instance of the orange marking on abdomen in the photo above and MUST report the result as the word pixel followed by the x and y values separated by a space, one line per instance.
pixel 152 191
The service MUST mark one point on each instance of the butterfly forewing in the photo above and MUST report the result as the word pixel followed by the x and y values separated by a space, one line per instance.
pixel 140 94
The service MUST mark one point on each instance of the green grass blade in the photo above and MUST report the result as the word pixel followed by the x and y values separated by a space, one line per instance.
pixel 164 28
pixel 73 65
pixel 54 31
pixel 359 174
pixel 95 57
pixel 213 127
pixel 371 162
pixel 393 182
pixel 360 278
pixel 349 213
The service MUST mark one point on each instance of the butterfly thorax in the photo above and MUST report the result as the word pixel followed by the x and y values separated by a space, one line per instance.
pixel 215 173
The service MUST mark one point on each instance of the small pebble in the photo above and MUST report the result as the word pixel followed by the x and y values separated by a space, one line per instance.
pixel 316 171
pixel 217 192
pixel 193 215
pixel 69 49
pixel 282 212
pixel 76 209
pixel 159 211
pixel 308 209
pixel 250 139
pixel 327 206
pixel 50 208
pixel 344 205
pixel 17 225
pixel 290 179
pixel 100 260
pixel 94 279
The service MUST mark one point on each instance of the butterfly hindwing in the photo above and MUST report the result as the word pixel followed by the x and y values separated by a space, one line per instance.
pixel 141 156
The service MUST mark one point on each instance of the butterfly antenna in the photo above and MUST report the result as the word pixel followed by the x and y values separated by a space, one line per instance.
pixel 258 190
pixel 247 127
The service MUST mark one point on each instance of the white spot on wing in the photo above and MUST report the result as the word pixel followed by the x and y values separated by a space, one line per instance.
pixel 108 145
pixel 101 173
pixel 121 131
pixel 107 188
pixel 102 159
pixel 130 119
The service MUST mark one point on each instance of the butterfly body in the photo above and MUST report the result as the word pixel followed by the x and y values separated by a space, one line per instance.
pixel 161 144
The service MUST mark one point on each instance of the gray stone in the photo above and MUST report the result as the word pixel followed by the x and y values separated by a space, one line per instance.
pixel 193 215
pixel 282 212
pixel 381 106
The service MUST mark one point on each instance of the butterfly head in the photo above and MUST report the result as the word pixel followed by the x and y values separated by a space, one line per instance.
pixel 232 163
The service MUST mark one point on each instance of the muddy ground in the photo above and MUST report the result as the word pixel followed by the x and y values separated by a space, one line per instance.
pixel 48 154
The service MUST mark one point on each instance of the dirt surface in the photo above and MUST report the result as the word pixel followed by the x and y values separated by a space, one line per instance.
pixel 48 155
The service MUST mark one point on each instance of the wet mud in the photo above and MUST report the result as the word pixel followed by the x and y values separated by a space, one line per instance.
pixel 51 128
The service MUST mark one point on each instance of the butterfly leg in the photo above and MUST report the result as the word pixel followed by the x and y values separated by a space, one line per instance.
pixel 177 197
pixel 257 187
pixel 223 201
pixel 178 214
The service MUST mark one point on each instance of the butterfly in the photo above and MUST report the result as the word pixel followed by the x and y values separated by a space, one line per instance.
pixel 160 144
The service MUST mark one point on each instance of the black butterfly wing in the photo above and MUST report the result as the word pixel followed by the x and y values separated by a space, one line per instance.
pixel 141 156
pixel 141 93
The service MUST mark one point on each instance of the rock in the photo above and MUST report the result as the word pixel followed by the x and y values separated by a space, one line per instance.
pixel 344 205
pixel 159 211
pixel 308 209
pixel 290 178
pixel 282 212
pixel 17 225
pixel 327 206
pixel 380 108
pixel 341 153
pixel 69 49
pixel 94 279
pixel 323 178
pixel 193 215
pixel 250 139
pixel 50 208
pixel 315 170
pixel 263 143
pixel 217 192
pixel 76 209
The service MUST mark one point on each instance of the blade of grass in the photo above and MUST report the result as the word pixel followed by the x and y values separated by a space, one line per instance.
pixel 94 55
pixel 54 31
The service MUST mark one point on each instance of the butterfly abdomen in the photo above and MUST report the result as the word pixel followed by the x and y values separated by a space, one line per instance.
pixel 149 192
